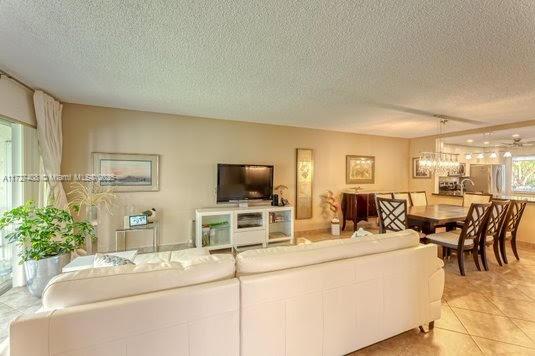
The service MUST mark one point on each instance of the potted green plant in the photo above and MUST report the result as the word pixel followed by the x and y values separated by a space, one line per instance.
pixel 45 237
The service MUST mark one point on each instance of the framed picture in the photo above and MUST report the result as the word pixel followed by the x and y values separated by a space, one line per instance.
pixel 304 180
pixel 132 172
pixel 360 169
pixel 416 173
pixel 461 172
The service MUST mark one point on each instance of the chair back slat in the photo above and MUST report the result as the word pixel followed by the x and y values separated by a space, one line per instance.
pixel 383 195
pixel 403 196
pixel 474 223
pixel 497 213
pixel 514 215
pixel 418 198
pixel 392 214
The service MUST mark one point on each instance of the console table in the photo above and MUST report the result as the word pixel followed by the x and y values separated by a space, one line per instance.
pixel 230 227
pixel 121 243
pixel 357 207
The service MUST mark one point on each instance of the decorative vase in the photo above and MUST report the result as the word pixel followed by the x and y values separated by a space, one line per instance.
pixel 40 272
pixel 335 227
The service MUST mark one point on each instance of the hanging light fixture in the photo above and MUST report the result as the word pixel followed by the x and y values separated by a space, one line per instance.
pixel 439 162
pixel 468 156
pixel 480 156
pixel 507 154
pixel 493 155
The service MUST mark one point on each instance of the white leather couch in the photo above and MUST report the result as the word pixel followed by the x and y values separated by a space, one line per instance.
pixel 160 308
pixel 335 297
pixel 326 298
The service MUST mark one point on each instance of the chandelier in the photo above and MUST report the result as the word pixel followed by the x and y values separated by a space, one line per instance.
pixel 441 163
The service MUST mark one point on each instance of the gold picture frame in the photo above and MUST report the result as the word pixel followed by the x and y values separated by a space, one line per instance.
pixel 415 170
pixel 304 183
pixel 360 169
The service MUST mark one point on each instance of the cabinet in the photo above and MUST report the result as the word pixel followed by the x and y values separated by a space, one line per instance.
pixel 227 227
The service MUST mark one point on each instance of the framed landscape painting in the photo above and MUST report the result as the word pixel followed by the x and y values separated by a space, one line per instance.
pixel 416 172
pixel 360 169
pixel 132 172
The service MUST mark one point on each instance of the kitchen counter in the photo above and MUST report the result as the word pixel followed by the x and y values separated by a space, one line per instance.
pixel 449 194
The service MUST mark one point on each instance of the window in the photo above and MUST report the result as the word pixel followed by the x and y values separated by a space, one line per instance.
pixel 523 174
pixel 9 162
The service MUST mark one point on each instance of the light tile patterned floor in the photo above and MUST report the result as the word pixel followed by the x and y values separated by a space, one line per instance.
pixel 484 313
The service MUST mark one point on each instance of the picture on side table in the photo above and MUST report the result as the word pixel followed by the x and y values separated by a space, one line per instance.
pixel 133 172
pixel 416 171
pixel 360 169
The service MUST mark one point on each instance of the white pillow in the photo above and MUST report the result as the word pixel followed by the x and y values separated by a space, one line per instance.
pixel 103 260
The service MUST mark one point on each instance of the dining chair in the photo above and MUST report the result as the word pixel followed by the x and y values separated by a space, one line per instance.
pixel 510 227
pixel 383 195
pixel 492 230
pixel 466 239
pixel 471 198
pixel 392 214
pixel 403 196
pixel 418 198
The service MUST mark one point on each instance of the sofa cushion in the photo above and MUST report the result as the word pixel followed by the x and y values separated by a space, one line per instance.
pixel 170 256
pixel 277 258
pixel 99 284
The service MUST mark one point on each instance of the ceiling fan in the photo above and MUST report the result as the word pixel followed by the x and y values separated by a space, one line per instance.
pixel 516 142
pixel 428 113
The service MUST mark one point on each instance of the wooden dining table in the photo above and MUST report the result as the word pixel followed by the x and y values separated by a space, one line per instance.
pixel 432 216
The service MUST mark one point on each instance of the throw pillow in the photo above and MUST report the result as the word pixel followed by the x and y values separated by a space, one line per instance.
pixel 103 260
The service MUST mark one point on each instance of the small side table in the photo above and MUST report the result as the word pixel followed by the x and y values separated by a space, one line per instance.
pixel 120 237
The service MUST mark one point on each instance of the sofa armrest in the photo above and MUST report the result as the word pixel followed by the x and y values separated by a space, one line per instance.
pixel 29 335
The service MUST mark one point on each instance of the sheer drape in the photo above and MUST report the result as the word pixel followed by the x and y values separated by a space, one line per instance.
pixel 48 114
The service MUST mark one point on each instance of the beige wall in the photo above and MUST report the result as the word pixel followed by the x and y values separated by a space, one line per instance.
pixel 190 148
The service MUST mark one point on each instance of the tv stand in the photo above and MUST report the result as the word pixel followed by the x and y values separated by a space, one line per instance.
pixel 228 227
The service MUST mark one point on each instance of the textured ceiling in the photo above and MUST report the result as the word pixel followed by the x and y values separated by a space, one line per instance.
pixel 493 138
pixel 339 65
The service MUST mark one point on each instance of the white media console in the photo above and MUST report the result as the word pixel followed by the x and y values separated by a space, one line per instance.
pixel 227 227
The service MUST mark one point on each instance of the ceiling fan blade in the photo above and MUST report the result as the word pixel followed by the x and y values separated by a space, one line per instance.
pixel 426 113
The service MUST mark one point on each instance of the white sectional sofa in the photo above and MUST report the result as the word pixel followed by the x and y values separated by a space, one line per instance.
pixel 335 297
pixel 326 298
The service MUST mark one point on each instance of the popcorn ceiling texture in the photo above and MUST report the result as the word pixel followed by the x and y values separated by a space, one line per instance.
pixel 313 63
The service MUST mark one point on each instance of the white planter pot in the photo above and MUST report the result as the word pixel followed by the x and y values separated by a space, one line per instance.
pixel 335 228
pixel 39 273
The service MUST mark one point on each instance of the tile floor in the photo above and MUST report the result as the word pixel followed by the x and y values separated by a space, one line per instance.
pixel 484 313
pixel 15 302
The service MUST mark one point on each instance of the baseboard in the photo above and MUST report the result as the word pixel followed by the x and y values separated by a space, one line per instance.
pixel 526 245
pixel 305 233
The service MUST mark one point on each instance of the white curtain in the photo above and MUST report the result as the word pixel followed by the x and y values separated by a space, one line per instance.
pixel 48 115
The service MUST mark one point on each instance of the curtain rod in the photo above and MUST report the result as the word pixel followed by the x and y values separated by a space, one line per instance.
pixel 7 75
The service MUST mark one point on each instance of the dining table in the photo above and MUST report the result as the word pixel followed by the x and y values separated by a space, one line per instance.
pixel 430 217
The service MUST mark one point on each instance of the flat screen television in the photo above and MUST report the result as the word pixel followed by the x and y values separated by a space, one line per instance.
pixel 244 182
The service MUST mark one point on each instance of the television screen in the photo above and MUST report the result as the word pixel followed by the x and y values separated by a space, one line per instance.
pixel 244 182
